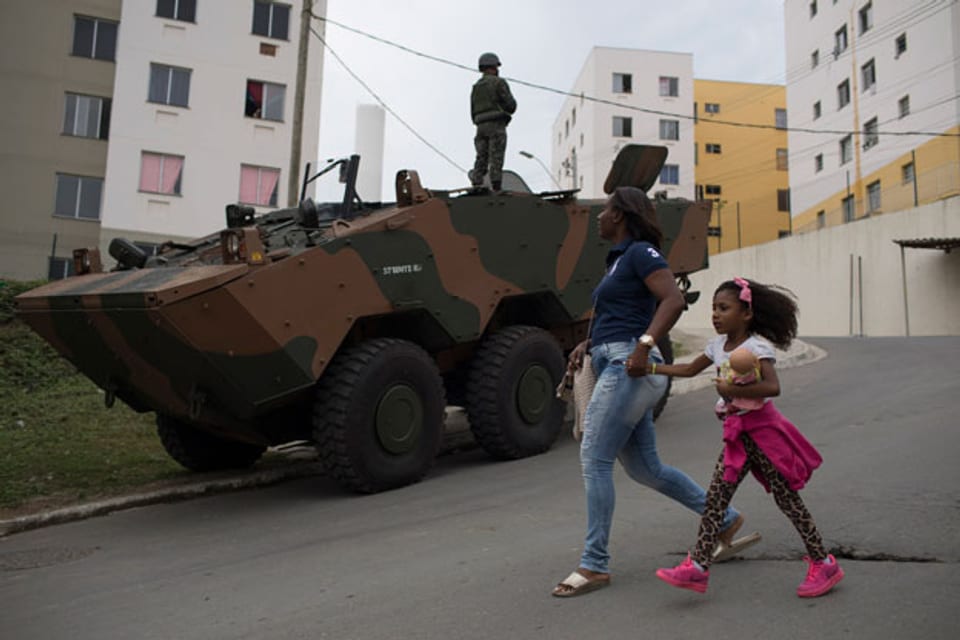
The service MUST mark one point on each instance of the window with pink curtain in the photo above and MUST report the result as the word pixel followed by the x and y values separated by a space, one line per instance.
pixel 172 166
pixel 160 173
pixel 150 172
pixel 258 185
pixel 248 184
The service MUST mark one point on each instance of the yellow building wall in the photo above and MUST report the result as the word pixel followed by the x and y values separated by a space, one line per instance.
pixel 746 167
pixel 937 171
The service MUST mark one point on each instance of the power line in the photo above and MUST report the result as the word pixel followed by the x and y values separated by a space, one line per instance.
pixel 381 101
pixel 612 103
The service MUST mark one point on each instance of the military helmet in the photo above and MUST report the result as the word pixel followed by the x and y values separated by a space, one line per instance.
pixel 488 60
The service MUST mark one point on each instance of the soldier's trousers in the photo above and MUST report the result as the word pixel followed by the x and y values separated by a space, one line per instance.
pixel 491 145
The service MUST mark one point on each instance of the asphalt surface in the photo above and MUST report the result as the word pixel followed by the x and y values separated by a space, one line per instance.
pixel 473 551
pixel 303 459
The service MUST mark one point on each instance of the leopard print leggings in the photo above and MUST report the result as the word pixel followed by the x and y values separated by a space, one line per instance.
pixel 721 493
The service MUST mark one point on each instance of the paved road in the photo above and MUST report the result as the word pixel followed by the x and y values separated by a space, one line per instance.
pixel 473 551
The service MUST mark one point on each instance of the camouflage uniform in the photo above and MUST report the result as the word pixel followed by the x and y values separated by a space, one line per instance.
pixel 491 104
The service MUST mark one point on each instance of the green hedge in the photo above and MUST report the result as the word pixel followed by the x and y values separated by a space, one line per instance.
pixel 27 362
pixel 10 289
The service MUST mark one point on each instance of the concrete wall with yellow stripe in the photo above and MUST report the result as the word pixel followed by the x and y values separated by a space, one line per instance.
pixel 929 173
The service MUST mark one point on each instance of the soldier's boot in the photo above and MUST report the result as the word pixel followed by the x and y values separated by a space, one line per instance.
pixel 497 186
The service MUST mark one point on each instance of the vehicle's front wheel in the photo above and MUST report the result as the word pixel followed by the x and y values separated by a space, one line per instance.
pixel 511 392
pixel 378 415
pixel 200 450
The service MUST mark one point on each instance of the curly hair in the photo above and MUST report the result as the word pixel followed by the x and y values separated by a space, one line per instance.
pixel 639 213
pixel 774 311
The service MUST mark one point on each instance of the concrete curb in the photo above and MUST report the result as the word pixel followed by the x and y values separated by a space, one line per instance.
pixel 169 494
pixel 303 463
pixel 456 438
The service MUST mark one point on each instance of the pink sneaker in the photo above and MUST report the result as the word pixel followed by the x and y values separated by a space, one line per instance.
pixel 686 575
pixel 821 577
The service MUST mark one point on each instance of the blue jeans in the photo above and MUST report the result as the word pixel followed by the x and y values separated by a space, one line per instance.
pixel 619 425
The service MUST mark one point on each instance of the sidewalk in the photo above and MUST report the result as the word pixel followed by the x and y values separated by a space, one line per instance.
pixel 301 458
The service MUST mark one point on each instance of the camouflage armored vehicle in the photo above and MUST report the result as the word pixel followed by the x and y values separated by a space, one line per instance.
pixel 353 325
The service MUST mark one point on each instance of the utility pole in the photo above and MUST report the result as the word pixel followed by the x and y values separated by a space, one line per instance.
pixel 916 201
pixel 296 136
pixel 739 241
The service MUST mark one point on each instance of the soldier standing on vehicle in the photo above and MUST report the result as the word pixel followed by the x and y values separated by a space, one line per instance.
pixel 491 106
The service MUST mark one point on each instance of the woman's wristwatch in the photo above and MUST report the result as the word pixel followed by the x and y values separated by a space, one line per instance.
pixel 647 341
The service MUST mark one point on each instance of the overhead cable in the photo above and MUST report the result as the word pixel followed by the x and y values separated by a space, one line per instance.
pixel 683 116
pixel 383 103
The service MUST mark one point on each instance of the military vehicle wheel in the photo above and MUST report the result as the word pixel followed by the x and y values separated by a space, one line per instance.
pixel 378 415
pixel 200 450
pixel 511 392
pixel 666 348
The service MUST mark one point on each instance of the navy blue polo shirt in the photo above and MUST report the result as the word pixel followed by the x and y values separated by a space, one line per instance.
pixel 624 305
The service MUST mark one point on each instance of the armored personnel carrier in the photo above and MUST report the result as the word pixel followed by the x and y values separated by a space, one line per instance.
pixel 353 325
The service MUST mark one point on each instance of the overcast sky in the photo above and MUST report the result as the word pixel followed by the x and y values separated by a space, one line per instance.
pixel 540 41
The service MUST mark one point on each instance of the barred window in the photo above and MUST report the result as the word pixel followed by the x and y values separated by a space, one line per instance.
pixel 78 197
pixel 622 127
pixel 265 100
pixel 161 173
pixel 94 38
pixel 86 116
pixel 183 10
pixel 169 85
pixel 669 129
pixel 622 83
pixel 669 86
pixel 271 19
pixel 670 174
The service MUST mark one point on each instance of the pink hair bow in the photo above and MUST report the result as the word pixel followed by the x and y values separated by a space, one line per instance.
pixel 745 294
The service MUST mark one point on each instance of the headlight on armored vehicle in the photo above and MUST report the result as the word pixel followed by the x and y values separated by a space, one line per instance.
pixel 242 245
pixel 87 261
pixel 231 245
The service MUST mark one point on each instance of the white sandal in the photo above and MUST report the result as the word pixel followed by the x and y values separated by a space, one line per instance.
pixel 577 584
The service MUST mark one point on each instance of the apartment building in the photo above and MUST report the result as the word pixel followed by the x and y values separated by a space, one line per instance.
pixel 639 97
pixel 143 118
pixel 863 78
pixel 743 169
pixel 634 96
pixel 59 59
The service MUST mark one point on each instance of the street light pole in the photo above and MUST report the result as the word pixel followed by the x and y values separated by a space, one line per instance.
pixel 527 154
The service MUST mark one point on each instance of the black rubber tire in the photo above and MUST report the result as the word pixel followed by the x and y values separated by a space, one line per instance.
pixel 666 349
pixel 515 358
pixel 200 450
pixel 347 420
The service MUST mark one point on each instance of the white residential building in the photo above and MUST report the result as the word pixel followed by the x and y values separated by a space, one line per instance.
pixel 861 70
pixel 647 99
pixel 202 115
pixel 131 118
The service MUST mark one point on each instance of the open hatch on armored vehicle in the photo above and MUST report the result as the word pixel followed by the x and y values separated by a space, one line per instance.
pixel 354 325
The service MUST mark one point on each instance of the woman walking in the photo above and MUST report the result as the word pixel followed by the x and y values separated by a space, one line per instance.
pixel 635 304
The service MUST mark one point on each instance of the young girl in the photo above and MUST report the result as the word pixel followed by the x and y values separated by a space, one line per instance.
pixel 760 440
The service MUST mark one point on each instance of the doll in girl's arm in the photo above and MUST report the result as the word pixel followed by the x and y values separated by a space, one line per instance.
pixel 744 369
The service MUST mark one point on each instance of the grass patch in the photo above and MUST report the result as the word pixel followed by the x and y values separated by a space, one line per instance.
pixel 679 349
pixel 59 444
